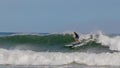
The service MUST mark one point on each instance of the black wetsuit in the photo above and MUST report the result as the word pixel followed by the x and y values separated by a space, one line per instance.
pixel 76 36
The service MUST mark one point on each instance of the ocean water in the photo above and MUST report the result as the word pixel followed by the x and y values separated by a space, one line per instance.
pixel 45 50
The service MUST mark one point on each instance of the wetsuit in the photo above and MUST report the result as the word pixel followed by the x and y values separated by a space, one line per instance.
pixel 76 36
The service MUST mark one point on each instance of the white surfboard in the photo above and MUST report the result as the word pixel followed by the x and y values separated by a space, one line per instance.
pixel 78 45
pixel 81 44
pixel 68 45
pixel 73 45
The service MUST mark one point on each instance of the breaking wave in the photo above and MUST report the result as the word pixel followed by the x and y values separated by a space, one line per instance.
pixel 92 40
pixel 113 42
pixel 24 54
pixel 19 57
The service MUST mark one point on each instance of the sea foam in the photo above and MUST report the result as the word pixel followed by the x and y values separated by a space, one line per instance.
pixel 112 42
pixel 19 57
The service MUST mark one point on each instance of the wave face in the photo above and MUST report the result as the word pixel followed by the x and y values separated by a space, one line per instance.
pixel 36 39
pixel 100 49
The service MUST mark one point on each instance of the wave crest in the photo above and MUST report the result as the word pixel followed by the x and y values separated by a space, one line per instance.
pixel 105 40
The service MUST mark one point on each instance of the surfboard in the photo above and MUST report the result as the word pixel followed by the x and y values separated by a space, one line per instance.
pixel 78 45
pixel 74 45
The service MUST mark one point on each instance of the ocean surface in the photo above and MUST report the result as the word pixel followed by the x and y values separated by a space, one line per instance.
pixel 48 50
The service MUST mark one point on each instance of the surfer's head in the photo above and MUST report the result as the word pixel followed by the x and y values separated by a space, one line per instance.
pixel 75 33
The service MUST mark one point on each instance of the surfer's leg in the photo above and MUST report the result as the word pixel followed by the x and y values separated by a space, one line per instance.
pixel 77 40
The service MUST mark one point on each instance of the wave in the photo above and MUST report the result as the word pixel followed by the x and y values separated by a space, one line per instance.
pixel 52 39
pixel 20 57
pixel 113 42
pixel 95 39
pixel 24 54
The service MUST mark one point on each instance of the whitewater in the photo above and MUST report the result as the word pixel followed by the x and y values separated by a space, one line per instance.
pixel 103 52
pixel 19 57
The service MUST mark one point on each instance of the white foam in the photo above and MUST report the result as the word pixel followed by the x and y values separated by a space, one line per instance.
pixel 18 57
pixel 112 42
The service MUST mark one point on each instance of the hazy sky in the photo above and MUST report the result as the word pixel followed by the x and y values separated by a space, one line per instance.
pixel 60 15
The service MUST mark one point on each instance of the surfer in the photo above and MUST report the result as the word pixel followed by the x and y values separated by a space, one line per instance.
pixel 76 42
pixel 76 38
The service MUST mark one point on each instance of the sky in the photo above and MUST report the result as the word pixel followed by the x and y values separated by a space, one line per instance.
pixel 60 15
